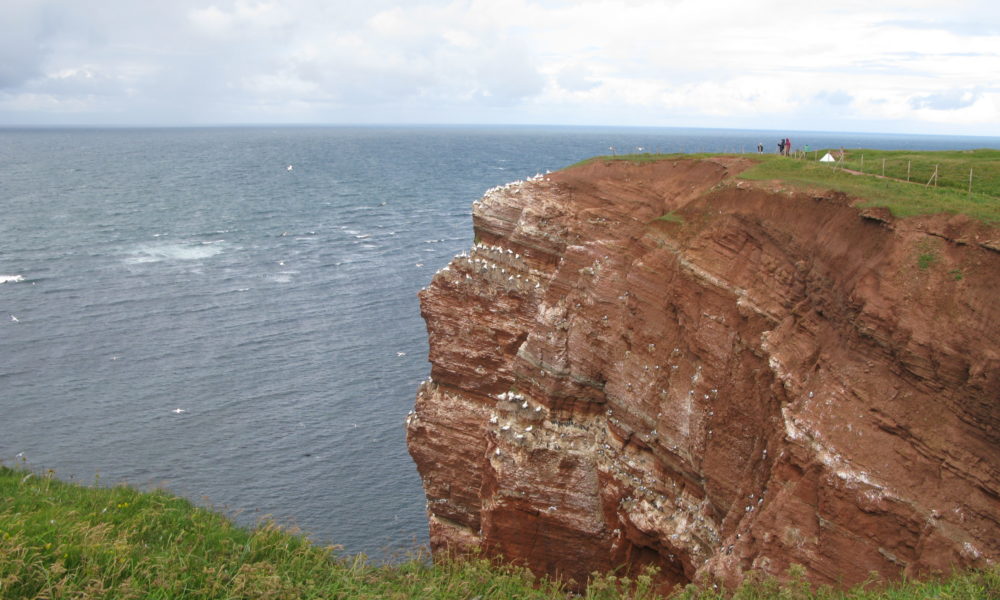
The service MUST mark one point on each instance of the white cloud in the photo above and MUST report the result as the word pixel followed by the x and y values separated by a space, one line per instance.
pixel 912 66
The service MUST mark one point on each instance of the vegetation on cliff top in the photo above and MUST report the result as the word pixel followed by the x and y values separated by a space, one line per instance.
pixel 62 540
pixel 903 181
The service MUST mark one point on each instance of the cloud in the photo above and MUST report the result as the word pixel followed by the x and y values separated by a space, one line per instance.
pixel 947 100
pixel 576 78
pixel 977 27
pixel 23 43
pixel 834 97
pixel 424 54
pixel 682 62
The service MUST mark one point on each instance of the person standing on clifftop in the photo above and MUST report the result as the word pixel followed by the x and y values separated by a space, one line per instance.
pixel 760 148
pixel 781 147
pixel 788 146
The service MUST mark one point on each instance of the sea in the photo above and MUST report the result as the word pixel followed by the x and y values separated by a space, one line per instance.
pixel 231 313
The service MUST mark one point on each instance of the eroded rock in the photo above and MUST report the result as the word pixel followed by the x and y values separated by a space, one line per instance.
pixel 768 377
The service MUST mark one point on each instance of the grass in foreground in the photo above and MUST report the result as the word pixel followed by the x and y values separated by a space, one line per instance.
pixel 61 540
pixel 860 175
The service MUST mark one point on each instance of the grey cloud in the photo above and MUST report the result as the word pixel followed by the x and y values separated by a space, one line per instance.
pixel 835 97
pixel 15 67
pixel 24 32
pixel 576 79
pixel 949 100
pixel 367 68
pixel 507 77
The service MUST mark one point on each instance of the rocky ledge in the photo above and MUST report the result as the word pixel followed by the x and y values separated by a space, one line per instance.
pixel 660 364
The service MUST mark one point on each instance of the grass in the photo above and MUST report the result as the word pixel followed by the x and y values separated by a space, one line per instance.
pixel 671 217
pixel 62 540
pixel 926 254
pixel 918 167
pixel 638 158
pixel 903 198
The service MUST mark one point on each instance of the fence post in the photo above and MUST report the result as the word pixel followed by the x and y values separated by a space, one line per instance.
pixel 970 182
pixel 907 170
pixel 883 167
pixel 933 177
pixel 862 163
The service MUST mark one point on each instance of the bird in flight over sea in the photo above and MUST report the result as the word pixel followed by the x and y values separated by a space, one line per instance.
pixel 178 411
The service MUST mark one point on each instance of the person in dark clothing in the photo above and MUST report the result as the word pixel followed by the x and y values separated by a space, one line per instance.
pixel 781 147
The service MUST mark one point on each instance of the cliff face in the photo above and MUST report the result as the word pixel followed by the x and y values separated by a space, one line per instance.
pixel 779 378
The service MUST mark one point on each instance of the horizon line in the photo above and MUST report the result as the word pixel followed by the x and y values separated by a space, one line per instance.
pixel 376 125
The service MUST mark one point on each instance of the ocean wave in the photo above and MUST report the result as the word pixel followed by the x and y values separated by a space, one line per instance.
pixel 11 278
pixel 282 276
pixel 179 251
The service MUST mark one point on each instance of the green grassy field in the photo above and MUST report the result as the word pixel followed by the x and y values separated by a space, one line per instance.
pixel 860 175
pixel 63 540
pixel 904 198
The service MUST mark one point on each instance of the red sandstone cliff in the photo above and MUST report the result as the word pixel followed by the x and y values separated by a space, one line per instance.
pixel 778 379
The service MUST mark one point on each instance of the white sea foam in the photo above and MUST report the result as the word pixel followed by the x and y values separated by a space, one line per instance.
pixel 11 278
pixel 152 253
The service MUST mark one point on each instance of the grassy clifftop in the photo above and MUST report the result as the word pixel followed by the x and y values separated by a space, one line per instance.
pixel 902 181
pixel 62 540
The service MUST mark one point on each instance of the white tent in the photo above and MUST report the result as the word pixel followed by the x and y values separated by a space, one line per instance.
pixel 827 158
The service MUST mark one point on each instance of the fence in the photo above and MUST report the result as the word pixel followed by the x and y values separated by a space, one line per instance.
pixel 930 172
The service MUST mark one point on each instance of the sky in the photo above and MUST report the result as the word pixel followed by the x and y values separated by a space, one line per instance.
pixel 888 66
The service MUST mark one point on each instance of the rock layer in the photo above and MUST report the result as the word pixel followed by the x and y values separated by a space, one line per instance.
pixel 660 364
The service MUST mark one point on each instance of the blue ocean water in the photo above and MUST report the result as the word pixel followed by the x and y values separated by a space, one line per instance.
pixel 262 281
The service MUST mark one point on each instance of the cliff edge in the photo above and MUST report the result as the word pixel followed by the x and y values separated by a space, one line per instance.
pixel 660 364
